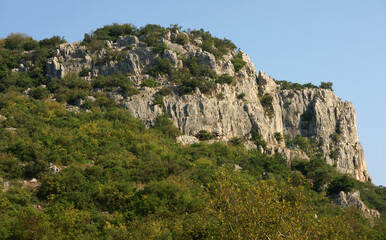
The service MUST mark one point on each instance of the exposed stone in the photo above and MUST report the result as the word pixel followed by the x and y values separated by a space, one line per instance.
pixel 345 200
pixel 54 168
pixel 2 118
pixel 186 139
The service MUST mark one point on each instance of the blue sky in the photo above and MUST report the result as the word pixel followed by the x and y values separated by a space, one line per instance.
pixel 300 41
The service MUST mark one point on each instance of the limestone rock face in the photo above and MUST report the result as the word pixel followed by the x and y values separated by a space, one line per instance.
pixel 229 110
pixel 344 200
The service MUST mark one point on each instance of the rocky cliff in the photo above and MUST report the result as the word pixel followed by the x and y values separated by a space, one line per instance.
pixel 252 101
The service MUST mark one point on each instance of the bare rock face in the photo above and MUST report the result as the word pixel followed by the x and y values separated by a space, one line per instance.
pixel 229 110
pixel 344 200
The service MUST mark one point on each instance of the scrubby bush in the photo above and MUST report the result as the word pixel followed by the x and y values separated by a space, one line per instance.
pixel 225 79
pixel 326 85
pixel 257 138
pixel 218 47
pixel 306 118
pixel 39 93
pixel 278 136
pixel 189 85
pixel 20 41
pixel 343 183
pixel 165 125
pixel 238 62
pixel 204 135
pixel 266 103
pixel 241 96
pixel 286 85
pixel 162 66
pixel 159 47
pixel 236 141
pixel 149 82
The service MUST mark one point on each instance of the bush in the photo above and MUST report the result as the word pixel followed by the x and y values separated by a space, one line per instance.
pixel 343 183
pixel 266 103
pixel 85 72
pixel 238 62
pixel 159 47
pixel 241 96
pixel 286 85
pixel 278 136
pixel 118 80
pixel 334 154
pixel 162 66
pixel 158 100
pixel 257 138
pixel 203 135
pixel 182 38
pixel 225 79
pixel 189 85
pixel 20 41
pixel 326 85
pixel 52 42
pixel 165 91
pixel 306 118
pixel 150 82
pixel 39 93
pixel 199 70
pixel 153 33
pixel 166 126
pixel 236 141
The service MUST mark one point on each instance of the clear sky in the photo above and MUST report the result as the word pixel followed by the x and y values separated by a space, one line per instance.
pixel 300 41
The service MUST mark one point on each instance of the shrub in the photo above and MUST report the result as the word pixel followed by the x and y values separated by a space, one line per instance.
pixel 39 93
pixel 162 66
pixel 306 118
pixel 188 85
pixel 326 85
pixel 84 72
pixel 199 70
pixel 158 100
pixel 165 91
pixel 236 141
pixel 238 62
pixel 266 103
pixel 278 136
pixel 182 38
pixel 334 154
pixel 20 41
pixel 218 47
pixel 225 79
pixel 257 138
pixel 153 33
pixel 335 137
pixel 286 85
pixel 51 42
pixel 150 82
pixel 203 135
pixel 343 183
pixel 220 96
pixel 166 126
pixel 241 96
pixel 159 47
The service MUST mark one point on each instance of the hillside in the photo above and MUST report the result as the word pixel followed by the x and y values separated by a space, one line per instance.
pixel 155 132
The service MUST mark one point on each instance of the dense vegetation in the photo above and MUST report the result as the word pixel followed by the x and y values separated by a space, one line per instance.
pixel 120 180
pixel 286 85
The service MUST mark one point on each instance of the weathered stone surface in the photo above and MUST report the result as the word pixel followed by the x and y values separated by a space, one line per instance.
pixel 344 200
pixel 2 118
pixel 186 139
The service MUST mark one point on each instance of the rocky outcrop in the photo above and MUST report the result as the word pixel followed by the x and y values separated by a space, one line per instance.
pixel 345 200
pixel 253 101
